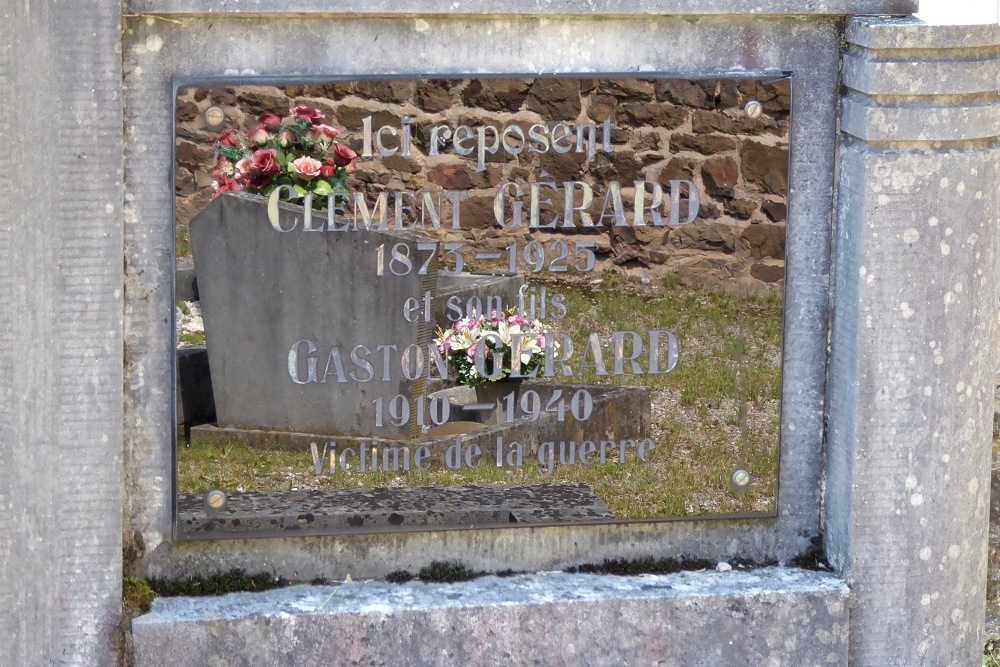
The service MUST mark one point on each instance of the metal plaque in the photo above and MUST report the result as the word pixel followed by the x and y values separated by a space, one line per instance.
pixel 424 304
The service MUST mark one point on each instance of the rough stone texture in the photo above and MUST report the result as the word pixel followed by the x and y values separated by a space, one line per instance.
pixel 660 146
pixel 911 371
pixel 155 51
pixel 696 619
pixel 262 514
pixel 60 334
pixel 534 7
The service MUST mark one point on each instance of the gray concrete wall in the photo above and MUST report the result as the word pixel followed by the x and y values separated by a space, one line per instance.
pixel 60 333
pixel 914 339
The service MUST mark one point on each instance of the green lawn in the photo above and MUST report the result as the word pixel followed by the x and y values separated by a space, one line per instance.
pixel 716 412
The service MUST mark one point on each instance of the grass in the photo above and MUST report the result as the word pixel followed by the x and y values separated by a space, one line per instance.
pixel 716 412
pixel 192 338
pixel 991 653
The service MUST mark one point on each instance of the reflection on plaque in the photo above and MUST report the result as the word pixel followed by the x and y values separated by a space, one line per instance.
pixel 426 304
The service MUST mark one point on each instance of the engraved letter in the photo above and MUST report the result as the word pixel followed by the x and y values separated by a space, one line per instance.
pixel 293 362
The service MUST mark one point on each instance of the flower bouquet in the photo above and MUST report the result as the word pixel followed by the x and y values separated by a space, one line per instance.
pixel 298 151
pixel 491 349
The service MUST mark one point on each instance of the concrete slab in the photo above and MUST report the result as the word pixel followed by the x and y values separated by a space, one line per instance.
pixel 771 616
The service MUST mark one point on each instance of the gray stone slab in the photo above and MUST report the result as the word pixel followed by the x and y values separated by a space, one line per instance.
pixel 185 281
pixel 896 33
pixel 157 50
pixel 408 8
pixel 487 289
pixel 263 292
pixel 926 123
pixel 771 616
pixel 261 514
pixel 920 77
pixel 60 333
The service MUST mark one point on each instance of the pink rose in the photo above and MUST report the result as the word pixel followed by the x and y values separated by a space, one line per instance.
pixel 244 165
pixel 259 135
pixel 306 114
pixel 265 162
pixel 286 138
pixel 343 156
pixel 271 121
pixel 307 168
pixel 323 133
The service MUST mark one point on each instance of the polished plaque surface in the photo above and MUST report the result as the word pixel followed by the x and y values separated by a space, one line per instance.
pixel 422 304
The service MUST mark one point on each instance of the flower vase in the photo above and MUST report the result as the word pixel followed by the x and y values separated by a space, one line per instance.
pixel 498 394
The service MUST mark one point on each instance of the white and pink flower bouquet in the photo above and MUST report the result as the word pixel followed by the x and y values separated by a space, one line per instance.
pixel 299 151
pixel 492 348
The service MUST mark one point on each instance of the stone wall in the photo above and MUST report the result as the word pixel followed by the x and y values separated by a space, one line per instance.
pixel 662 130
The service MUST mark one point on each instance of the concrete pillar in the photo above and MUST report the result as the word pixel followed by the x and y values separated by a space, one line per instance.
pixel 60 333
pixel 914 338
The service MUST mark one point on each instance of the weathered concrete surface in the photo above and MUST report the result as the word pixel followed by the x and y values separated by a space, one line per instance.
pixel 157 50
pixel 765 617
pixel 913 352
pixel 60 333
pixel 532 7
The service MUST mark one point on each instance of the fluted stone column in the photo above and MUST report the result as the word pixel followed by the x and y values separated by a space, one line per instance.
pixel 914 338
pixel 60 333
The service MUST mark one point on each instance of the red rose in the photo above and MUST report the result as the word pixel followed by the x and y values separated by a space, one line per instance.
pixel 271 121
pixel 258 181
pixel 306 114
pixel 328 171
pixel 265 162
pixel 226 184
pixel 343 156
pixel 222 167
pixel 226 139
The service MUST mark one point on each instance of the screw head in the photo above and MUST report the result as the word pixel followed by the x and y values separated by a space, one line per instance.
pixel 214 117
pixel 753 109
pixel 740 481
pixel 215 500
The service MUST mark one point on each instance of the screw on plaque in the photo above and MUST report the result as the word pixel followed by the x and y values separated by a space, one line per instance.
pixel 740 481
pixel 214 117
pixel 215 500
pixel 753 109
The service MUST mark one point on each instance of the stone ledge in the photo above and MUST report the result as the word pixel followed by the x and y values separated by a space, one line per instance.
pixel 528 7
pixel 872 122
pixel 767 616
pixel 920 77
pixel 912 33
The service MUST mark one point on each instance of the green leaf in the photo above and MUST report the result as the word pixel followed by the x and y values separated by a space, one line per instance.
pixel 299 191
pixel 322 188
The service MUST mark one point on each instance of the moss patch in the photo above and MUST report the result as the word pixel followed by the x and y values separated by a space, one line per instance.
pixel 218 584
